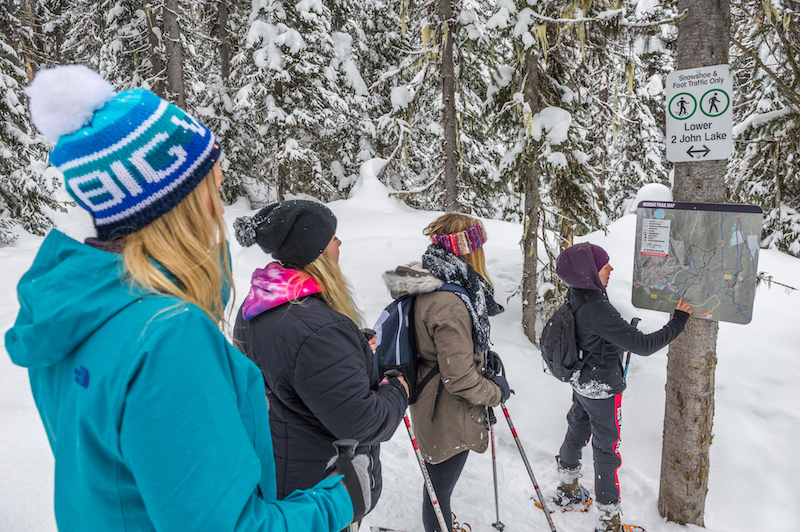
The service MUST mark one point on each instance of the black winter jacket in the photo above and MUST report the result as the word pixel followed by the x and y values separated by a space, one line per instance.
pixel 603 336
pixel 322 385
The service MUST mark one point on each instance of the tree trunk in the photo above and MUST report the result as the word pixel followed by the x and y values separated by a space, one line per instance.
pixel 449 108
pixel 778 183
pixel 689 413
pixel 156 64
pixel 174 52
pixel 225 45
pixel 283 178
pixel 31 51
pixel 58 35
pixel 531 213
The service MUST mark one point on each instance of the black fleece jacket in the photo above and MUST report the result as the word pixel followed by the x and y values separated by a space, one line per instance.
pixel 322 385
pixel 603 336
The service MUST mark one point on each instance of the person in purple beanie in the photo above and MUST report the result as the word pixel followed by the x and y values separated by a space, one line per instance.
pixel 603 336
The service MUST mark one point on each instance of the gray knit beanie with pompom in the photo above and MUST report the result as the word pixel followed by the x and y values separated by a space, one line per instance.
pixel 295 232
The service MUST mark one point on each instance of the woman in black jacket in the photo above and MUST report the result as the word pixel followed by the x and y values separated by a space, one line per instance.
pixel 299 324
pixel 603 336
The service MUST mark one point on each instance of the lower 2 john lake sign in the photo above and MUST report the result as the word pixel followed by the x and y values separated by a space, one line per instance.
pixel 706 253
pixel 699 114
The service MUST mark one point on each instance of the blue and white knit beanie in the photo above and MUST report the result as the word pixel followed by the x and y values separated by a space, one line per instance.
pixel 127 158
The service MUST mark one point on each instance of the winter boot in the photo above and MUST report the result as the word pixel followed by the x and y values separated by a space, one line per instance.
pixel 610 518
pixel 570 495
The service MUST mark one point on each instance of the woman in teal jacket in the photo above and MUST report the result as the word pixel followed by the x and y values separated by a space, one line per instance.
pixel 155 420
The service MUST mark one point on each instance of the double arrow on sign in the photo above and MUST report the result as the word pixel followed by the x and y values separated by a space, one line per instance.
pixel 691 151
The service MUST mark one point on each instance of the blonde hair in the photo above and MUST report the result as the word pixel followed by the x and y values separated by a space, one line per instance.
pixel 336 289
pixel 454 222
pixel 190 244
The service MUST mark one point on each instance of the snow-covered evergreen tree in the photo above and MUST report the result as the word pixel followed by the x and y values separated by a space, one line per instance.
pixel 303 94
pixel 765 167
pixel 87 26
pixel 415 125
pixel 553 136
pixel 635 139
pixel 224 69
pixel 26 189
pixel 131 49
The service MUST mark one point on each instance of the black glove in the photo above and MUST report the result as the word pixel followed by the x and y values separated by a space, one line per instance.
pixel 355 469
pixel 502 383
pixel 494 366
pixel 392 376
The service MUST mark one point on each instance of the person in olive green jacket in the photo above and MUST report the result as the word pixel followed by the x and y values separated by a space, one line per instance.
pixel 452 332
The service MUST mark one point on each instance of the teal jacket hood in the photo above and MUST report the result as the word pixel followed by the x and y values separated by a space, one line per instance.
pixel 69 292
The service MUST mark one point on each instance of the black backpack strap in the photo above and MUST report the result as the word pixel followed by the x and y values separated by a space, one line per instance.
pixel 574 308
pixel 428 377
pixel 425 380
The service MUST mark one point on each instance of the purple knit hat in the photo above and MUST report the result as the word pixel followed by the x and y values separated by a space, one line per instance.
pixel 578 266
pixel 600 256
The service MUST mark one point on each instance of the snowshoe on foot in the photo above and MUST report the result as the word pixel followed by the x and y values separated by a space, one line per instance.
pixel 611 519
pixel 567 502
pixel 460 527
pixel 625 528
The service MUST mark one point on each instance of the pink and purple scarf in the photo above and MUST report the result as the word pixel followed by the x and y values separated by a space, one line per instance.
pixel 275 285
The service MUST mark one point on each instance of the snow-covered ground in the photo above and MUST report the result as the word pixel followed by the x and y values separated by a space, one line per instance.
pixel 754 472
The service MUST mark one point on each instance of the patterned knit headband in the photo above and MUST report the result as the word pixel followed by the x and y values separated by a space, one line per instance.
pixel 464 242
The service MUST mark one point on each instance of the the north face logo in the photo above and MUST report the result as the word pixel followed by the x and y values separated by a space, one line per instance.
pixel 82 376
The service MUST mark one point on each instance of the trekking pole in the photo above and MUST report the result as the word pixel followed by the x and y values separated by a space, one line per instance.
pixel 348 448
pixel 634 322
pixel 497 524
pixel 528 467
pixel 428 484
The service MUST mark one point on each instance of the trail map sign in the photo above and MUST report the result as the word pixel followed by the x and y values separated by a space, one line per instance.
pixel 706 253
pixel 699 114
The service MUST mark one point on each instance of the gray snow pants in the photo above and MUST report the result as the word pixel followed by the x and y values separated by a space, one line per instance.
pixel 601 420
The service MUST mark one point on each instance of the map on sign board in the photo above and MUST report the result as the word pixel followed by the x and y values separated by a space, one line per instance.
pixel 706 253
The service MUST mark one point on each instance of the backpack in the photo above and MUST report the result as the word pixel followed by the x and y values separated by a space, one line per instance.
pixel 558 345
pixel 397 343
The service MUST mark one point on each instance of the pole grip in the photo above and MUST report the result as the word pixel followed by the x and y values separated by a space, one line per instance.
pixel 346 447
pixel 635 323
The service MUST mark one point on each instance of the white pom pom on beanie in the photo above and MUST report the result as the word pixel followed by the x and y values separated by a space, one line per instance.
pixel 64 98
